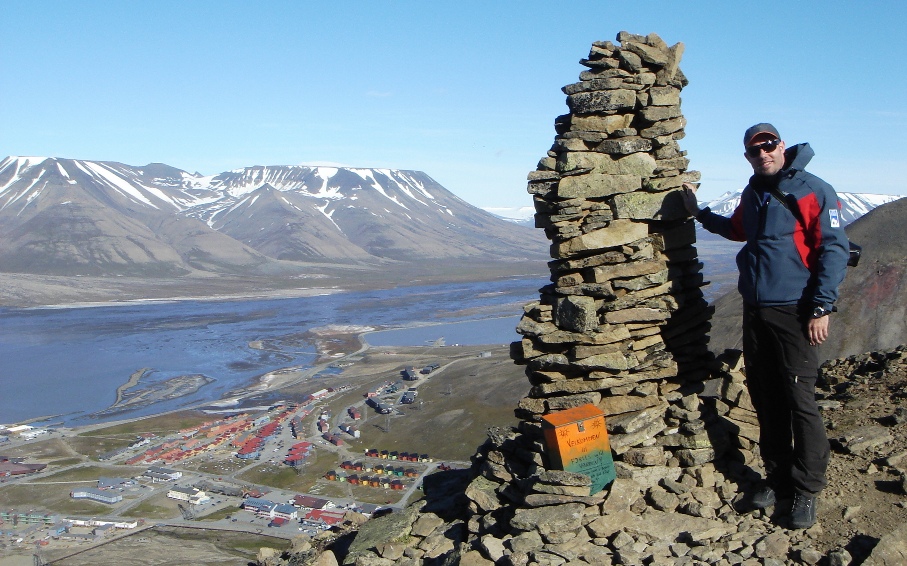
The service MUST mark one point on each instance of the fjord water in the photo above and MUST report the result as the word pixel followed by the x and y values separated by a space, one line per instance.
pixel 66 363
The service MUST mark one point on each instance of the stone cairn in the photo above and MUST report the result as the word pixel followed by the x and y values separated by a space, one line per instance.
pixel 623 326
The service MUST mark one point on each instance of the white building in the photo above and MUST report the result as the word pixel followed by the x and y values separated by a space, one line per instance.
pixel 95 495
pixel 33 433
pixel 158 474
pixel 192 495
pixel 98 523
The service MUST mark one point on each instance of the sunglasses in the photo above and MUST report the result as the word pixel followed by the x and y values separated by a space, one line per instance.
pixel 768 147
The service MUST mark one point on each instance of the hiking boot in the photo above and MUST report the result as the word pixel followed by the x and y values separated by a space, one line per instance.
pixel 803 511
pixel 764 497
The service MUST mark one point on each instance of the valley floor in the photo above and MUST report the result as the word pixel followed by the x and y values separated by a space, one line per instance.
pixel 27 290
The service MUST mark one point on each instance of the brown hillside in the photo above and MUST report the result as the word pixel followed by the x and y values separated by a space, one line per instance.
pixel 873 304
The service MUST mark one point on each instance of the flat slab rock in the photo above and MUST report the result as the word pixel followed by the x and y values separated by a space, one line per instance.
pixel 382 530
pixel 661 526
pixel 547 520
pixel 891 550
pixel 865 438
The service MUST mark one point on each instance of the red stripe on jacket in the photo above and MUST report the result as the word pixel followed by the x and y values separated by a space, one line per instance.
pixel 807 238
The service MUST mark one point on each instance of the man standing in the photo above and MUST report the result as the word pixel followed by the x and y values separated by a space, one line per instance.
pixel 794 258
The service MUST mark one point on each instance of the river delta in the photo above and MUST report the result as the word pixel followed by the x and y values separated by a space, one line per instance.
pixel 67 365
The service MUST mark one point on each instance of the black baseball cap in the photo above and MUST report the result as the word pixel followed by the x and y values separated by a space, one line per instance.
pixel 763 128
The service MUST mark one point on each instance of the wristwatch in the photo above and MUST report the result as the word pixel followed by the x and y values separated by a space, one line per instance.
pixel 821 310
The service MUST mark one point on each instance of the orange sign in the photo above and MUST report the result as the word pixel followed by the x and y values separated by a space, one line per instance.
pixel 577 441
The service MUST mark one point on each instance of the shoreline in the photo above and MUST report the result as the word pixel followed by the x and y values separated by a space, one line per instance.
pixel 35 291
pixel 354 337
pixel 294 294
pixel 415 325
pixel 281 378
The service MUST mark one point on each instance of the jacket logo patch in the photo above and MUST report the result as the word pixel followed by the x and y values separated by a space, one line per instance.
pixel 833 218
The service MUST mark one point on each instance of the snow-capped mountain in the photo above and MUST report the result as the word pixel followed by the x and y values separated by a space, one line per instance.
pixel 75 216
pixel 853 205
pixel 522 215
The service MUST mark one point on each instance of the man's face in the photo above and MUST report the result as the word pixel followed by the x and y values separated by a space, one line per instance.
pixel 765 162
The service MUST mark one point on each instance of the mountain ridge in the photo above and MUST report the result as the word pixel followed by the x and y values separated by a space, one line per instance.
pixel 157 219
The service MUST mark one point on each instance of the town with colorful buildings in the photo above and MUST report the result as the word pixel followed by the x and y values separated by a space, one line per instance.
pixel 281 435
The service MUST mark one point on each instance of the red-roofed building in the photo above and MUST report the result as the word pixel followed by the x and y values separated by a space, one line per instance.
pixel 294 460
pixel 254 493
pixel 10 468
pixel 321 519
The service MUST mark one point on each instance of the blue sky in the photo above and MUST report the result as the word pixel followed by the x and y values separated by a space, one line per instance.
pixel 465 91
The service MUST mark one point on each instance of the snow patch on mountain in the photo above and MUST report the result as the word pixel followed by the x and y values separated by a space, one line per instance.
pixel 20 165
pixel 326 191
pixel 407 184
pixel 726 203
pixel 862 203
pixel 120 184
pixel 418 186
pixel 403 188
pixel 21 162
pixel 328 215
pixel 518 214
pixel 28 193
pixel 368 175
pixel 198 182
pixel 62 170
pixel 290 204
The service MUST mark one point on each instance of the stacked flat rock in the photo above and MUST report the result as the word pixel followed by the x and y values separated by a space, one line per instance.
pixel 623 324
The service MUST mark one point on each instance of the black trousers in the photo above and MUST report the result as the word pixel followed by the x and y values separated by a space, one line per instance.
pixel 781 372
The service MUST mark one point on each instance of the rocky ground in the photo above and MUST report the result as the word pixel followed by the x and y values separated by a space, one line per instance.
pixel 866 417
pixel 699 517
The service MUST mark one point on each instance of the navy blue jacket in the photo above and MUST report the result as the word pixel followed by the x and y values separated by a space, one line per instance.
pixel 787 260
